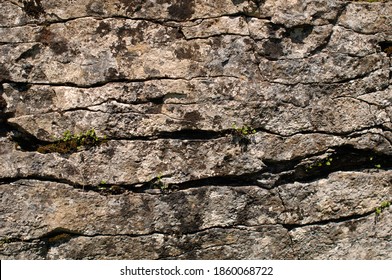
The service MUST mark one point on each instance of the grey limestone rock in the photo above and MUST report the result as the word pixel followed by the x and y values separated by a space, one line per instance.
pixel 198 129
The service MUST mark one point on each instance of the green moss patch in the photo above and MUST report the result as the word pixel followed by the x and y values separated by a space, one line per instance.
pixel 71 143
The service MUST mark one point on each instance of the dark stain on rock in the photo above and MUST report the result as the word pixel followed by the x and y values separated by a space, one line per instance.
pixel 103 28
pixel 183 53
pixel 259 3
pixel 154 109
pixel 136 34
pixel 132 6
pixel 20 87
pixel 189 246
pixel 113 74
pixel 176 33
pixel 27 69
pixel 33 8
pixel 3 103
pixel 352 226
pixel 237 2
pixel 202 194
pixel 215 43
pixel 4 73
pixel 169 121
pixel 187 52
pixel 45 36
pixel 57 45
pixel 272 49
pixel 275 30
pixel 193 117
pixel 166 36
pixel 30 53
pixel 118 47
pixel 190 219
pixel 217 121
pixel 110 152
pixel 182 9
pixel 298 34
pixel 151 71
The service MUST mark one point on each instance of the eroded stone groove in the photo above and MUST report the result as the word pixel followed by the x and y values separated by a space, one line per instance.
pixel 218 129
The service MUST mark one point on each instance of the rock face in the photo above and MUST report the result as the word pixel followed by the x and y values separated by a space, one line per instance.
pixel 195 129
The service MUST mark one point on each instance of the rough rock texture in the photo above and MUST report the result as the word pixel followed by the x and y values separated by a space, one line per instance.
pixel 164 82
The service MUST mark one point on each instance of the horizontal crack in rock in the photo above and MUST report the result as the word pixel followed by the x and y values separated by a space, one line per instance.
pixel 343 158
pixel 291 227
pixel 273 174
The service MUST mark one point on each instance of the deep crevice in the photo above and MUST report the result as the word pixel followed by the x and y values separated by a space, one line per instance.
pixel 350 218
pixel 42 178
pixel 166 189
pixel 246 179
pixel 342 158
pixel 25 140
pixel 386 47
pixel 276 173
pixel 114 80
pixel 58 236
pixel 194 134
pixel 184 134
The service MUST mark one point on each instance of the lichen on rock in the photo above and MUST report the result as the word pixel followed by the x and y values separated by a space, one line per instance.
pixel 300 175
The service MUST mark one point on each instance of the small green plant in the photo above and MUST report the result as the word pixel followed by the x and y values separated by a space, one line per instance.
pixel 159 184
pixel 105 188
pixel 324 162
pixel 67 136
pixel 103 185
pixel 377 165
pixel 380 209
pixel 244 130
pixel 70 143
pixel 243 135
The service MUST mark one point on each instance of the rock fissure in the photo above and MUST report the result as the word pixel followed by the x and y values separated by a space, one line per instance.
pixel 115 80
pixel 181 129
pixel 340 159
pixel 343 219
pixel 275 174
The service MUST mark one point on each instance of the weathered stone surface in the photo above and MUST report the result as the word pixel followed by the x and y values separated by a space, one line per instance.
pixel 22 12
pixel 341 195
pixel 234 129
pixel 295 13
pixel 58 206
pixel 16 250
pixel 367 18
pixel 209 244
pixel 365 238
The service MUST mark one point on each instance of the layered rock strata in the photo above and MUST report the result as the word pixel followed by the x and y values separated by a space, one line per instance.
pixel 239 129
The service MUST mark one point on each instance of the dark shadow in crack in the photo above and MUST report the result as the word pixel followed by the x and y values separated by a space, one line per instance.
pixel 343 158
